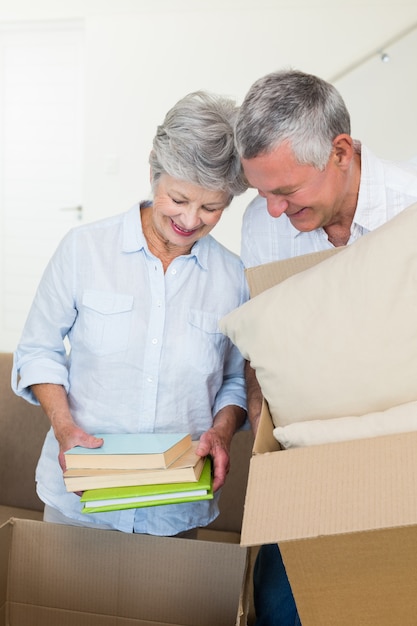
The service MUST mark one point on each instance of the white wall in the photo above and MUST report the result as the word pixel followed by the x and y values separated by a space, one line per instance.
pixel 139 64
pixel 382 99
pixel 142 55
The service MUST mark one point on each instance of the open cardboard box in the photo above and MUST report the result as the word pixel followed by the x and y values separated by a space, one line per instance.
pixel 56 575
pixel 51 575
pixel 344 515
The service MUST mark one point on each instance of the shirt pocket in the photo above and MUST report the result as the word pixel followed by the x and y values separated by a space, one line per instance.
pixel 207 342
pixel 107 321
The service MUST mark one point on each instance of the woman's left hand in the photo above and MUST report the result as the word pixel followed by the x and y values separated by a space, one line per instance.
pixel 213 444
pixel 216 441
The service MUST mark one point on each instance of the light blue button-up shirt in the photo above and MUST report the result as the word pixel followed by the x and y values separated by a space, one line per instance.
pixel 146 352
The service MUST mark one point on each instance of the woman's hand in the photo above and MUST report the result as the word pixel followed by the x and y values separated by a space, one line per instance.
pixel 54 401
pixel 216 441
pixel 70 436
pixel 213 444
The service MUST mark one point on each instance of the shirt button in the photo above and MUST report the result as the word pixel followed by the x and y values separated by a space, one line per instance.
pixel 149 379
pixel 154 340
pixel 173 272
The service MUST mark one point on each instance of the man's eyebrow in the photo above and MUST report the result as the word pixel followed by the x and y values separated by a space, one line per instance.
pixel 282 191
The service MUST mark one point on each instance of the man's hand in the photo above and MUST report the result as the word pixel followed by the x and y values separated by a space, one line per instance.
pixel 254 395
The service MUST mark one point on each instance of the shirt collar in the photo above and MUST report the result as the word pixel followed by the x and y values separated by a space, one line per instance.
pixel 133 237
pixel 200 251
pixel 370 211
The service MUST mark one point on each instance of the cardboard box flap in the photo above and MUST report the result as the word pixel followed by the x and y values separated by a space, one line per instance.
pixel 359 578
pixel 125 576
pixel 5 542
pixel 262 277
pixel 331 489
pixel 264 440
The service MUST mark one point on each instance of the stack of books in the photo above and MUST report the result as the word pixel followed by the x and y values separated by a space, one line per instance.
pixel 138 470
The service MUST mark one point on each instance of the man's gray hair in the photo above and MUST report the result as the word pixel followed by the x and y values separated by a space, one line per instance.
pixel 195 143
pixel 292 106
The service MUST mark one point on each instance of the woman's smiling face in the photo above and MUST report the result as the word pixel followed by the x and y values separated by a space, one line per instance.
pixel 184 212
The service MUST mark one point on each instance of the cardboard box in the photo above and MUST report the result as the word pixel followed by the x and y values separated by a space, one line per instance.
pixel 61 576
pixel 51 574
pixel 344 515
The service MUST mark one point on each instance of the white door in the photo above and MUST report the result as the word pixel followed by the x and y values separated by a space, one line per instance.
pixel 41 147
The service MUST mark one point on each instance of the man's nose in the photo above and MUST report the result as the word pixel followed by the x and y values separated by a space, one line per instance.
pixel 276 205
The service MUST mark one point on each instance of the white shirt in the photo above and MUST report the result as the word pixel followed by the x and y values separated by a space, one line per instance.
pixel 146 352
pixel 386 188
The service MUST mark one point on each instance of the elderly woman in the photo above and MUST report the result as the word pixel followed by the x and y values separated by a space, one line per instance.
pixel 138 297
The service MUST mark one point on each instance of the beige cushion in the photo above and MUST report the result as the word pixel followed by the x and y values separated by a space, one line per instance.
pixel 399 419
pixel 339 339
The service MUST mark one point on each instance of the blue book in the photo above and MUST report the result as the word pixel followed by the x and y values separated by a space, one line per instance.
pixel 130 451
pixel 118 498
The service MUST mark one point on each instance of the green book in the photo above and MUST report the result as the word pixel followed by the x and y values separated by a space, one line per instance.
pixel 118 498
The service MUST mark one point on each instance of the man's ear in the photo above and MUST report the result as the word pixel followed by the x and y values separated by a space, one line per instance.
pixel 343 150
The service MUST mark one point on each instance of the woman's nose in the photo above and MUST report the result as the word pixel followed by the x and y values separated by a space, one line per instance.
pixel 190 219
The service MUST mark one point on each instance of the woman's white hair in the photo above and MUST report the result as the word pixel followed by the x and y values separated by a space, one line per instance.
pixel 195 143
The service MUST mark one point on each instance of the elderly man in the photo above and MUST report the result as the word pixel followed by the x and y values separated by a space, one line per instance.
pixel 318 188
